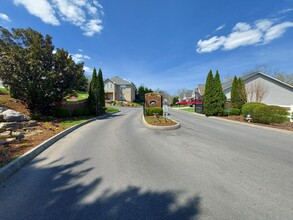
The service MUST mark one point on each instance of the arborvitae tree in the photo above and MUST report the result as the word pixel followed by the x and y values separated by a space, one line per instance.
pixel 101 93
pixel 93 93
pixel 238 93
pixel 242 93
pixel 220 98
pixel 209 95
pixel 234 93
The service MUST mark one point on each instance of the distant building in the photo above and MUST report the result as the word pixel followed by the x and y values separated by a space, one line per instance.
pixel 118 89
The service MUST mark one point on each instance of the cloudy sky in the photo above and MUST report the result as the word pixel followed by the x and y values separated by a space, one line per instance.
pixel 166 44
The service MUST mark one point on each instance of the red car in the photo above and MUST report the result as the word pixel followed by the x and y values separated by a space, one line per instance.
pixel 183 102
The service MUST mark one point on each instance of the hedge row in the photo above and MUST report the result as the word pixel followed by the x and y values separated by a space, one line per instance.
pixel 64 112
pixel 231 111
pixel 151 111
pixel 265 114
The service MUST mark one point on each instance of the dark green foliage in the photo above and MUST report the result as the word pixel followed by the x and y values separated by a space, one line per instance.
pixel 101 93
pixel 238 93
pixel 61 113
pixel 36 116
pixel 151 111
pixel 93 93
pixel 82 83
pixel 96 99
pixel 234 93
pixel 209 95
pixel 248 108
pixel 270 114
pixel 141 92
pixel 175 100
pixel 231 111
pixel 35 75
pixel 81 112
pixel 214 98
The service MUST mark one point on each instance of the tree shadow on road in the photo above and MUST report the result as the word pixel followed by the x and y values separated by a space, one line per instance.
pixel 58 193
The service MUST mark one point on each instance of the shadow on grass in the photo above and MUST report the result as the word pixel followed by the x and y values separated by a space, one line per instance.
pixel 55 191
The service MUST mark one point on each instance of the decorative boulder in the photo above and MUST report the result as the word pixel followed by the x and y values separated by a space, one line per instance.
pixel 4 126
pixel 13 116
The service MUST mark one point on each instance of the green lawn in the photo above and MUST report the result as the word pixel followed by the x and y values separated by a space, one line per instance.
pixel 72 122
pixel 80 96
pixel 3 90
pixel 111 110
pixel 190 109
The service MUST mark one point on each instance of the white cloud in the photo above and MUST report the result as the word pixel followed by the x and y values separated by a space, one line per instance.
pixel 92 27
pixel 243 34
pixel 41 9
pixel 79 57
pixel 87 70
pixel 284 11
pixel 85 14
pixel 220 27
pixel 204 46
pixel 4 17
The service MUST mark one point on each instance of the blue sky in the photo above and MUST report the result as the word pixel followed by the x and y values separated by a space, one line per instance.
pixel 164 44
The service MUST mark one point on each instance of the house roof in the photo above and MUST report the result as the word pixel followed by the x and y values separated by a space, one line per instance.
pixel 119 81
pixel 201 89
pixel 228 84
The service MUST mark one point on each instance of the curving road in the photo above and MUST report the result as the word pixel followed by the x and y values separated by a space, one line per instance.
pixel 115 168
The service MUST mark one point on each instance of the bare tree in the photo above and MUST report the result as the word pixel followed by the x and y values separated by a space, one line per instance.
pixel 256 91
pixel 181 93
pixel 275 72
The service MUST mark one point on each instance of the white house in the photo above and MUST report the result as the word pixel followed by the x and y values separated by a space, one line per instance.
pixel 264 88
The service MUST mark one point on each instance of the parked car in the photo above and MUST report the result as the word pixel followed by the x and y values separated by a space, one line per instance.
pixel 183 102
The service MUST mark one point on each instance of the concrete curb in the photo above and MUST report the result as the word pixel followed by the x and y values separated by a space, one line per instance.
pixel 255 126
pixel 12 167
pixel 168 128
pixel 246 124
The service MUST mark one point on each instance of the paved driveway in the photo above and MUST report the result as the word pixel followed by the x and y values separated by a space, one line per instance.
pixel 116 168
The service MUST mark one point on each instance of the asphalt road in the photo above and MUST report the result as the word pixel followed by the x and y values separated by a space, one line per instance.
pixel 115 168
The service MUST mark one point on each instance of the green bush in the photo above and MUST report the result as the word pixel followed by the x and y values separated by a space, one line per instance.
pixel 151 111
pixel 248 108
pixel 78 112
pixel 232 111
pixel 61 113
pixel 36 116
pixel 270 114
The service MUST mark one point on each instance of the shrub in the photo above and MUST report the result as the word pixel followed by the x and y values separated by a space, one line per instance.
pixel 48 118
pixel 270 114
pixel 61 113
pixel 36 116
pixel 78 112
pixel 232 111
pixel 151 111
pixel 248 108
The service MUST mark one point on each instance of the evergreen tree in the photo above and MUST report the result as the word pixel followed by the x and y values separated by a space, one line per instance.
pixel 209 95
pixel 238 93
pixel 101 93
pixel 220 98
pixel 242 93
pixel 93 93
pixel 234 94
pixel 34 74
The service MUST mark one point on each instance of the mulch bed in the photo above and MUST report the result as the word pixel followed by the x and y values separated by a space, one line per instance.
pixel 160 121
pixel 285 126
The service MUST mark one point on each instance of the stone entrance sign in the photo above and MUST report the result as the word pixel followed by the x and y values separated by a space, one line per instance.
pixel 153 100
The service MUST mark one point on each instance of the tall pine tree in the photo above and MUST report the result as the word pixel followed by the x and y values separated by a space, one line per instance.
pixel 93 93
pixel 242 93
pixel 101 93
pixel 234 93
pixel 209 94
pixel 219 98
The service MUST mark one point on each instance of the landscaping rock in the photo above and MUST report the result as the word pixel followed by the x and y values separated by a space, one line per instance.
pixel 4 126
pixel 13 116
pixel 29 124
pixel 2 109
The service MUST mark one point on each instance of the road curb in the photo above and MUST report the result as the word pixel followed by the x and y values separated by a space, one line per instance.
pixel 167 128
pixel 15 165
pixel 255 126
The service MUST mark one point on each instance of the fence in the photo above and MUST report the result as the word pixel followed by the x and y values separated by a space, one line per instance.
pixel 71 106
